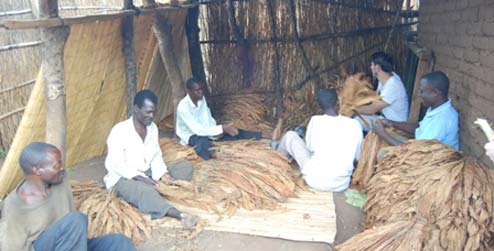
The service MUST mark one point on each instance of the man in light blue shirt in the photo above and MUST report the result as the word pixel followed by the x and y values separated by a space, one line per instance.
pixel 440 121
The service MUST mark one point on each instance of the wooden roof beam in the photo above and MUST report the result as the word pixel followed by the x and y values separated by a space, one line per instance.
pixel 62 21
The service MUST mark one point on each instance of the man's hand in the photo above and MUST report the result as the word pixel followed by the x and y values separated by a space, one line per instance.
pixel 230 130
pixel 378 127
pixel 146 180
pixel 166 178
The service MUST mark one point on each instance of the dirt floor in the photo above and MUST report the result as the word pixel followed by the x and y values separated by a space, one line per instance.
pixel 348 224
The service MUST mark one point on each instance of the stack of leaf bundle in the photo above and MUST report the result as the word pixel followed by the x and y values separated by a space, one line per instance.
pixel 299 106
pixel 357 91
pixel 173 151
pixel 245 110
pixel 108 214
pixel 428 196
pixel 244 174
pixel 167 123
pixel 367 164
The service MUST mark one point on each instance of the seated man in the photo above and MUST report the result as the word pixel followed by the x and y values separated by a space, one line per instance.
pixel 332 144
pixel 39 214
pixel 440 121
pixel 394 103
pixel 135 163
pixel 195 126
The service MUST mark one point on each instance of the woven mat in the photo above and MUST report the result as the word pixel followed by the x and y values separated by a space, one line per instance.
pixel 310 217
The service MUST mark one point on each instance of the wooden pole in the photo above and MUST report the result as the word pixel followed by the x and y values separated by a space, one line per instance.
pixel 300 48
pixel 163 30
pixel 195 53
pixel 276 64
pixel 244 47
pixel 52 63
pixel 128 49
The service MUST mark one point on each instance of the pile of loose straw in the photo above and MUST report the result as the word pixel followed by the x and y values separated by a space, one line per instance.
pixel 427 196
pixel 245 174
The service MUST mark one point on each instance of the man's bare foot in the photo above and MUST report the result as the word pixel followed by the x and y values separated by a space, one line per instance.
pixel 276 135
pixel 189 221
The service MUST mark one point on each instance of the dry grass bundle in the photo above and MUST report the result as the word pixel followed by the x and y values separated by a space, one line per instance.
pixel 245 174
pixel 430 181
pixel 299 106
pixel 167 123
pixel 356 91
pixel 108 214
pixel 245 110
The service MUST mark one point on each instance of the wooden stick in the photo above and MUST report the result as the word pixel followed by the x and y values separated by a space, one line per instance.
pixel 244 47
pixel 15 12
pixel 30 82
pixel 393 26
pixel 128 50
pixel 276 65
pixel 6 115
pixel 19 46
pixel 486 128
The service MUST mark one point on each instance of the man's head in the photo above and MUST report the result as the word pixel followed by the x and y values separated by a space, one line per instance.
pixel 42 161
pixel 194 89
pixel 328 100
pixel 145 103
pixel 434 88
pixel 381 62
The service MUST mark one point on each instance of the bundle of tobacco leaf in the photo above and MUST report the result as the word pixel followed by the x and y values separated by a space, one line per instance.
pixel 367 164
pixel 357 91
pixel 167 123
pixel 245 111
pixel 108 214
pixel 426 180
pixel 244 174
pixel 299 107
pixel 173 151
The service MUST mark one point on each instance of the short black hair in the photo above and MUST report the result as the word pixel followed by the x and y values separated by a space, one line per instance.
pixel 190 82
pixel 327 98
pixel 142 95
pixel 33 154
pixel 439 80
pixel 384 60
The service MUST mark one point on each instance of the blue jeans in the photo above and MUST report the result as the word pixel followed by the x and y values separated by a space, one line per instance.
pixel 70 233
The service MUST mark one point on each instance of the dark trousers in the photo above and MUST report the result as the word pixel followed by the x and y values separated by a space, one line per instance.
pixel 202 144
pixel 70 233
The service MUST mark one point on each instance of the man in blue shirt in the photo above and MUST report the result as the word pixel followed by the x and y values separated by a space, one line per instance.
pixel 440 121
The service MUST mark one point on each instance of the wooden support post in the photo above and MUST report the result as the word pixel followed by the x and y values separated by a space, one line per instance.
pixel 244 47
pixel 276 65
pixel 52 63
pixel 163 30
pixel 300 48
pixel 195 53
pixel 128 49
pixel 425 65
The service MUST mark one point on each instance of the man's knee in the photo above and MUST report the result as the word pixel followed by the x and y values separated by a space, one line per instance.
pixel 74 222
pixel 121 242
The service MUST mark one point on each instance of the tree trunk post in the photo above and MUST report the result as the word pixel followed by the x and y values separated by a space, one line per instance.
pixel 128 49
pixel 52 64
pixel 163 30
pixel 195 53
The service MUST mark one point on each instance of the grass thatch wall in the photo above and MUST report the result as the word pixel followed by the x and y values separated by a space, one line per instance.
pixel 317 22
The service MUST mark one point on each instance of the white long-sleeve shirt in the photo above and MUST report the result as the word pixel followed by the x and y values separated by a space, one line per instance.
pixel 128 156
pixel 192 119
pixel 335 142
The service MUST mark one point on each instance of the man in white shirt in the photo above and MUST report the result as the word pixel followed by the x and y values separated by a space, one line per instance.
pixel 332 144
pixel 195 126
pixel 135 163
pixel 394 103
